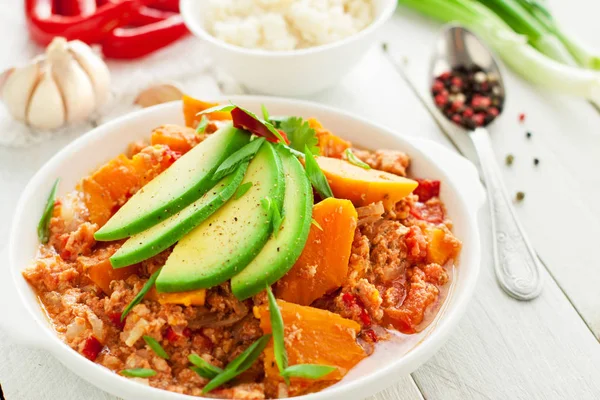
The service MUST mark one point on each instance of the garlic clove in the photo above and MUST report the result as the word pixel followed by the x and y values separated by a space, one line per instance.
pixel 46 109
pixel 95 68
pixel 158 94
pixel 73 82
pixel 18 88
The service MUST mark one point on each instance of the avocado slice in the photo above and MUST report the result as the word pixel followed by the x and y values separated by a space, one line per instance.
pixel 282 250
pixel 230 238
pixel 161 236
pixel 178 186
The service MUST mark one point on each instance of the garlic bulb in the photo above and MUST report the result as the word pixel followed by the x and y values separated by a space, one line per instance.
pixel 65 85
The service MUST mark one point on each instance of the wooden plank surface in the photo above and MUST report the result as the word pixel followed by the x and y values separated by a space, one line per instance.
pixel 502 348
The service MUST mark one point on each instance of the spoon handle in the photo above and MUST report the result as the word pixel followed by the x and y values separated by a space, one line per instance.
pixel 518 268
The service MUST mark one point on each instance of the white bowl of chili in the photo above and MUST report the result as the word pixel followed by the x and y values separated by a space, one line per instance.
pixel 461 192
pixel 290 72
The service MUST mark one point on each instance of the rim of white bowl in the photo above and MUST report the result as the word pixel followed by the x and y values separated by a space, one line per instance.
pixel 197 28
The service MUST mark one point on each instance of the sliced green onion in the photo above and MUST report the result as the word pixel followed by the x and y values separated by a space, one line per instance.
pixel 315 175
pixel 352 159
pixel 315 223
pixel 278 334
pixel 308 371
pixel 138 372
pixel 203 367
pixel 156 347
pixel 140 296
pixel 202 125
pixel 277 221
pixel 234 160
pixel 240 364
pixel 219 108
pixel 242 189
pixel 43 229
pixel 265 112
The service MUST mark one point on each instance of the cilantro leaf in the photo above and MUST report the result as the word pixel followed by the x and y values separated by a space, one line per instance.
pixel 300 134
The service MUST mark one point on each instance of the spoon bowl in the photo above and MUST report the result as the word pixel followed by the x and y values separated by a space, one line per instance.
pixel 517 267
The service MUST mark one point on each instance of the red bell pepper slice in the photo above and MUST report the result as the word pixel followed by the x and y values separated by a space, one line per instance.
pixel 146 16
pixel 164 5
pixel 135 42
pixel 44 25
pixel 76 7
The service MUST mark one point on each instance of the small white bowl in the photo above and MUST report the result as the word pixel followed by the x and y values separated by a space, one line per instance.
pixel 287 73
pixel 461 192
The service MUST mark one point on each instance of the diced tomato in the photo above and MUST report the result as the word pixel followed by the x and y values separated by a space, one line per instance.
pixel 348 299
pixel 92 348
pixel 365 318
pixel 173 336
pixel 115 318
pixel 371 335
pixel 433 213
pixel 427 189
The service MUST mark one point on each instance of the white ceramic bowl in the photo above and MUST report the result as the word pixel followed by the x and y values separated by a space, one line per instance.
pixel 287 73
pixel 461 192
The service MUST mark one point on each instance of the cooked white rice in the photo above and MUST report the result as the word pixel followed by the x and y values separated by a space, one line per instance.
pixel 286 24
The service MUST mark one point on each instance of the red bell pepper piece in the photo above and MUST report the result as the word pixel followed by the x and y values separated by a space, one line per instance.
pixel 146 16
pixel 427 189
pixel 164 5
pixel 243 120
pixel 44 25
pixel 75 7
pixel 91 348
pixel 127 43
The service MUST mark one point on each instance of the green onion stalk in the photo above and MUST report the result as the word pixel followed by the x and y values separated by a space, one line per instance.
pixel 514 48
pixel 582 53
pixel 539 34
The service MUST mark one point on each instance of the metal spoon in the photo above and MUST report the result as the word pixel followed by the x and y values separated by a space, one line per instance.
pixel 517 267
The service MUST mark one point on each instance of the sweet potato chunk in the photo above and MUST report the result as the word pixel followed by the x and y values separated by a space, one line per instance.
pixel 364 186
pixel 178 138
pixel 323 264
pixel 112 184
pixel 99 270
pixel 192 106
pixel 191 298
pixel 330 144
pixel 442 247
pixel 312 336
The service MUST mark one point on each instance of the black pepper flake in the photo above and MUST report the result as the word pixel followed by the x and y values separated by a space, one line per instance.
pixel 520 196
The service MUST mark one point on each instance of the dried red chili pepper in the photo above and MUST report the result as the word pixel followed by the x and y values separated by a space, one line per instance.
pixel 135 42
pixel 75 7
pixel 44 24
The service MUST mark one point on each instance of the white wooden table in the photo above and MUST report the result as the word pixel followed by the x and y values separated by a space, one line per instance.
pixel 503 349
